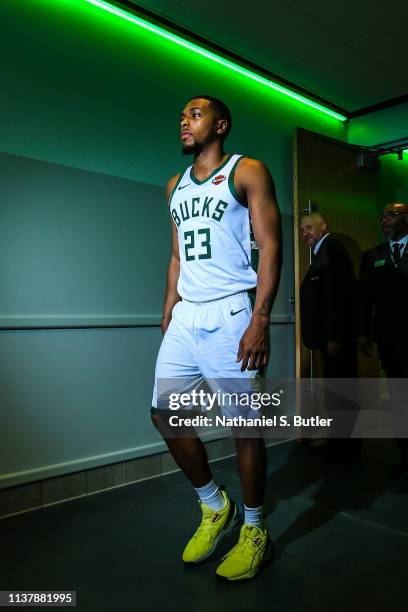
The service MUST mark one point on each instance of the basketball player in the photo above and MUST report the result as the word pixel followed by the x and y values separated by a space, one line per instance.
pixel 210 329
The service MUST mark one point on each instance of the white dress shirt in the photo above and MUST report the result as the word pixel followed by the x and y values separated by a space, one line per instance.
pixel 403 244
pixel 317 245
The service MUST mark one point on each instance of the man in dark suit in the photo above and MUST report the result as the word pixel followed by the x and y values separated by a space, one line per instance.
pixel 384 303
pixel 328 308
pixel 328 304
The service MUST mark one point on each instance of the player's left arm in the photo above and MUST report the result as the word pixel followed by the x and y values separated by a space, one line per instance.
pixel 254 182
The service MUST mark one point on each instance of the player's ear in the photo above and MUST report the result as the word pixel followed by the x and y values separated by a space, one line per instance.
pixel 222 126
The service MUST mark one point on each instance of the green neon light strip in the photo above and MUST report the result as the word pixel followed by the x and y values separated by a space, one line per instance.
pixel 213 57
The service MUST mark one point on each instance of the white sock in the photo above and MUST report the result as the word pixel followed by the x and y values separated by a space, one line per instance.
pixel 211 496
pixel 254 516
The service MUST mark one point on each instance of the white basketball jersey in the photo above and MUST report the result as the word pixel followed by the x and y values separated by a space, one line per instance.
pixel 214 235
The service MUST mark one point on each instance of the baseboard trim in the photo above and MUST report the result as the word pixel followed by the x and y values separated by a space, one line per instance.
pixel 53 491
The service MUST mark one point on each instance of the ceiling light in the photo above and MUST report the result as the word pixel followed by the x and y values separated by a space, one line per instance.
pixel 178 40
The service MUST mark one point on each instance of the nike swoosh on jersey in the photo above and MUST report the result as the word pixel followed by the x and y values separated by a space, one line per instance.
pixel 182 186
pixel 232 313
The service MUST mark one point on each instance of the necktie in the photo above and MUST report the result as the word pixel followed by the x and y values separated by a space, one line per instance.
pixel 396 253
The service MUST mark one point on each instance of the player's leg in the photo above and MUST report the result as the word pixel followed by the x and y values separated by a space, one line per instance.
pixel 217 357
pixel 220 515
pixel 176 367
pixel 251 454
pixel 187 450
pixel 177 373
pixel 254 547
pixel 231 318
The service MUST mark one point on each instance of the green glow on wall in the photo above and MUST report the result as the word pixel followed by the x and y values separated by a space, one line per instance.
pixel 146 25
pixel 393 157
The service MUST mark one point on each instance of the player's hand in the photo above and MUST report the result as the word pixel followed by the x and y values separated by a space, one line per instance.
pixel 333 348
pixel 253 348
pixel 366 347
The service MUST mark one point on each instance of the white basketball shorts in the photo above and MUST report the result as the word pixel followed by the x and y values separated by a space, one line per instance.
pixel 201 346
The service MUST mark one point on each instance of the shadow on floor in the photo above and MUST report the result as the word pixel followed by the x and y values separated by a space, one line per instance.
pixel 332 489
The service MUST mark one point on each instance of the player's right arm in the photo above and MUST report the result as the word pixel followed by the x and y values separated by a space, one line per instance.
pixel 173 271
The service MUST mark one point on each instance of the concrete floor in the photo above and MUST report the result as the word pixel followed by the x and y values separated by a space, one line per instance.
pixel 340 534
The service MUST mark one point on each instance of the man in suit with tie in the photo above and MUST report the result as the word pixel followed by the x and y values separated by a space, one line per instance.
pixel 384 304
pixel 328 300
pixel 328 309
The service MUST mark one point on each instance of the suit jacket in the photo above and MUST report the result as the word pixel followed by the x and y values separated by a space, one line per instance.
pixel 383 294
pixel 328 296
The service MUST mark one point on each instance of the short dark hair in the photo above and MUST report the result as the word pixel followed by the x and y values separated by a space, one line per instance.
pixel 220 109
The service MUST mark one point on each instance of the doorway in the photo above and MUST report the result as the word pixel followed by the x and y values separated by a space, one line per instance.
pixel 327 180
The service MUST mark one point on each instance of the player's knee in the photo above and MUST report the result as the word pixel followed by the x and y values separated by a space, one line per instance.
pixel 161 424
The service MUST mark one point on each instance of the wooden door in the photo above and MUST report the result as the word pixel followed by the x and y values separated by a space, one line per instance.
pixel 327 180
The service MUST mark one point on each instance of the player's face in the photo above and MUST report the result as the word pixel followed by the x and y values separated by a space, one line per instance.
pixel 394 221
pixel 198 126
pixel 312 230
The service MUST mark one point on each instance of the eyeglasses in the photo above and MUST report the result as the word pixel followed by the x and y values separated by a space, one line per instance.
pixel 390 215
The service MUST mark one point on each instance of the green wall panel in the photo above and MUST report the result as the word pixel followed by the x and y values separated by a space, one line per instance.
pixel 77 399
pixel 79 247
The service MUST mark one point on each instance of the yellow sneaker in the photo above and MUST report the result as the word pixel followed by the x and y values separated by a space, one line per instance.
pixel 215 524
pixel 253 550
